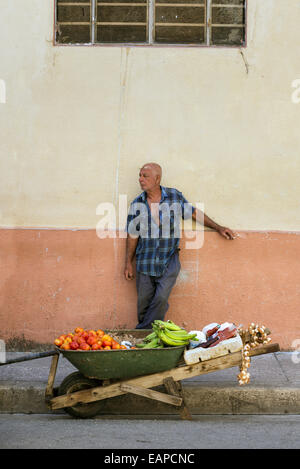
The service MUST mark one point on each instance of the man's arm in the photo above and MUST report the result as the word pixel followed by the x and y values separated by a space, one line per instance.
pixel 131 244
pixel 200 217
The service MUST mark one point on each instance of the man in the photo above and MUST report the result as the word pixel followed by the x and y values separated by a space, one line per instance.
pixel 153 227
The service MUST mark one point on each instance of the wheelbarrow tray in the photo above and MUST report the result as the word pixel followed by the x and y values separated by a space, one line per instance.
pixel 123 364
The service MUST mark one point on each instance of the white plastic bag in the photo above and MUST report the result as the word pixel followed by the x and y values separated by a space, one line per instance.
pixel 199 339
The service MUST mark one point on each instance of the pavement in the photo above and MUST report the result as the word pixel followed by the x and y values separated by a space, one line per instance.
pixel 274 388
pixel 119 437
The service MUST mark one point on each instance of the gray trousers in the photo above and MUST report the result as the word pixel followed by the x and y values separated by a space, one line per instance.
pixel 153 293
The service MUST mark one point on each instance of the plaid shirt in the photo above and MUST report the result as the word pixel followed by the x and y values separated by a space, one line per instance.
pixel 157 243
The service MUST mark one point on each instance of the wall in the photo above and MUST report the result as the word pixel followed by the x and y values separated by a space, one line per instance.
pixel 77 124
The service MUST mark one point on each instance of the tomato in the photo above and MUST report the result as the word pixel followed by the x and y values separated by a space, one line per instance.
pixel 92 340
pixel 74 345
pixel 96 347
pixel 116 346
pixel 65 346
pixel 85 346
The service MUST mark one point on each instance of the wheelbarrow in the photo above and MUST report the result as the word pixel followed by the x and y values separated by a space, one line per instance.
pixel 109 373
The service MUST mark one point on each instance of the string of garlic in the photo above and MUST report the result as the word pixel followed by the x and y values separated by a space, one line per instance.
pixel 258 336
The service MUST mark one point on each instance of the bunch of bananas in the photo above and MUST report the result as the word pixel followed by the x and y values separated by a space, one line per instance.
pixel 166 334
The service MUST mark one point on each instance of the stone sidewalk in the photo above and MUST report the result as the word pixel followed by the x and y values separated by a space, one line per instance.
pixel 274 388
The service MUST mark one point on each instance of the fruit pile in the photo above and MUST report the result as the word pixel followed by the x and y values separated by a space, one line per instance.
pixel 81 339
pixel 166 334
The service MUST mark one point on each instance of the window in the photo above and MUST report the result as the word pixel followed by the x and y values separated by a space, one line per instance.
pixel 151 22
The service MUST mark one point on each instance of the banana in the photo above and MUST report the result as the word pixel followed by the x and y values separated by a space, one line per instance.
pixel 169 329
pixel 174 343
pixel 156 329
pixel 150 337
pixel 157 323
pixel 179 335
pixel 160 331
pixel 153 344
pixel 169 324
pixel 172 326
pixel 166 333
pixel 171 342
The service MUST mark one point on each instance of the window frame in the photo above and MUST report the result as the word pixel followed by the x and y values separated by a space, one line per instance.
pixel 151 29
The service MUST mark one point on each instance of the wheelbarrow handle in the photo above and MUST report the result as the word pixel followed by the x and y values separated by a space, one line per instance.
pixel 33 356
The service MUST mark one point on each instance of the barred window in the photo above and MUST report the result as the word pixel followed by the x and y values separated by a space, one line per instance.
pixel 151 22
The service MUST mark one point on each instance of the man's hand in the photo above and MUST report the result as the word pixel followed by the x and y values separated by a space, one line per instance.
pixel 128 272
pixel 131 244
pixel 226 232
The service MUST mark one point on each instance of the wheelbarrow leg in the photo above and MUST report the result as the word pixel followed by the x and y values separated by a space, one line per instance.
pixel 52 373
pixel 175 389
pixel 157 396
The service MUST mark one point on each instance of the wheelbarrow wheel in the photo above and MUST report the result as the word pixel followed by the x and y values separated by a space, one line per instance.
pixel 77 382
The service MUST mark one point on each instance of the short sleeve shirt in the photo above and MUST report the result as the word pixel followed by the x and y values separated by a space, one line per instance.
pixel 157 242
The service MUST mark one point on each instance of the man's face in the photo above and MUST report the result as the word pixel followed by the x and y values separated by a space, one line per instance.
pixel 147 179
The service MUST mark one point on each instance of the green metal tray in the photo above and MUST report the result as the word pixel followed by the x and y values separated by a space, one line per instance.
pixel 123 364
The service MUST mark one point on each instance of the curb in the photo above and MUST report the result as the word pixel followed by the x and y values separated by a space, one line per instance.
pixel 201 400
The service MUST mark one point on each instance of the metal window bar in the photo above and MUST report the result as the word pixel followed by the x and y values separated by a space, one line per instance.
pixel 56 25
pixel 151 21
pixel 93 20
pixel 208 22
pixel 226 5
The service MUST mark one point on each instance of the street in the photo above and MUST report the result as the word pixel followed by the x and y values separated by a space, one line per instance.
pixel 42 431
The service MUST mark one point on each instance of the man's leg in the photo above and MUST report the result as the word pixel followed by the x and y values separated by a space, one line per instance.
pixel 159 305
pixel 145 290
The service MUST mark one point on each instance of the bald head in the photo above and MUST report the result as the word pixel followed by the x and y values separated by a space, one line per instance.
pixel 150 176
pixel 154 167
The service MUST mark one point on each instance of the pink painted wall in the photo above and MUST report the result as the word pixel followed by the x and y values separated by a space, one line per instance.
pixel 54 280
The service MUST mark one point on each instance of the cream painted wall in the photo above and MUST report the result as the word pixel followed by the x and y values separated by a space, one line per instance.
pixel 79 122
